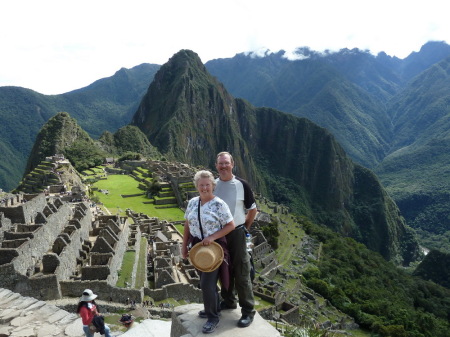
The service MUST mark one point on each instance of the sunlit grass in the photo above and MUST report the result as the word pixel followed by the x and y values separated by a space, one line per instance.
pixel 120 184
pixel 142 264
pixel 125 272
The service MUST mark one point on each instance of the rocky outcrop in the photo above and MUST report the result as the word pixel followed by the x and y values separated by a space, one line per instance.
pixel 187 323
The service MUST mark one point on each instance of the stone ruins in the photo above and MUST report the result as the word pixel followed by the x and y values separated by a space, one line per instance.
pixel 54 246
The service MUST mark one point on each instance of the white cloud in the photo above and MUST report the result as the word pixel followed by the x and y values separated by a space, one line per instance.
pixel 55 46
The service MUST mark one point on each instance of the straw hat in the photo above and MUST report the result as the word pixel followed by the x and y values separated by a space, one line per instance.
pixel 206 258
pixel 88 295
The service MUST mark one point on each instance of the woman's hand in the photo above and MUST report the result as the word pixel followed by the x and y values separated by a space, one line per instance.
pixel 207 241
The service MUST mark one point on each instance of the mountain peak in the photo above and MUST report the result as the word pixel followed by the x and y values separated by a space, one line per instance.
pixel 181 103
pixel 59 133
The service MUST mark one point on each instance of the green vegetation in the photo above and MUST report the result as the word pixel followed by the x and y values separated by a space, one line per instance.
pixel 378 295
pixel 126 271
pixel 419 181
pixel 142 264
pixel 83 155
pixel 381 297
pixel 261 303
pixel 121 184
pixel 180 228
pixel 435 267
pixel 129 139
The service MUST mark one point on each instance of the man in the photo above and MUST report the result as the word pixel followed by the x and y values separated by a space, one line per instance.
pixel 237 193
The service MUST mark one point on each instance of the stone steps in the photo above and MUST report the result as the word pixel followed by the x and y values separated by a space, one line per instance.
pixel 27 316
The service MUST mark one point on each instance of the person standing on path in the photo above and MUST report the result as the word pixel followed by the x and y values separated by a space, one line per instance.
pixel 208 220
pixel 239 197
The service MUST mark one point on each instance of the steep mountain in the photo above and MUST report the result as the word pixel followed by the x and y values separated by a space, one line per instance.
pixel 127 139
pixel 429 54
pixel 189 116
pixel 367 102
pixel 22 112
pixel 343 92
pixel 107 104
pixel 416 172
pixel 62 135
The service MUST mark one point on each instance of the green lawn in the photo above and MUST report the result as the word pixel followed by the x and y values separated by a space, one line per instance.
pixel 180 228
pixel 127 269
pixel 142 264
pixel 123 184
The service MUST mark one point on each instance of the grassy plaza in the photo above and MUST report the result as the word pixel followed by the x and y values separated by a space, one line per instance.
pixel 118 185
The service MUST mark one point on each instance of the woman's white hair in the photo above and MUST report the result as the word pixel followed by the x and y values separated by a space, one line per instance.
pixel 204 174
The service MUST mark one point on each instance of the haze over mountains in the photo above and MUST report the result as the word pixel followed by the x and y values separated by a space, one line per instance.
pixel 388 114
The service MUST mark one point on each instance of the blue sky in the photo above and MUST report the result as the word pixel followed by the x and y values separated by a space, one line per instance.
pixel 55 46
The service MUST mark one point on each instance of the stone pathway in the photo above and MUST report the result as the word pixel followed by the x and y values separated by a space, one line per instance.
pixel 28 317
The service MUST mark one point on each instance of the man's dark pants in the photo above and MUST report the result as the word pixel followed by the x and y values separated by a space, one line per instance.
pixel 240 281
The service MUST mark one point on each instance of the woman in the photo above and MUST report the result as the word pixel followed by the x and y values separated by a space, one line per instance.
pixel 87 309
pixel 215 222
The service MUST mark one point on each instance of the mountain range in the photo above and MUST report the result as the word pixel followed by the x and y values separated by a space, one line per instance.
pixel 388 114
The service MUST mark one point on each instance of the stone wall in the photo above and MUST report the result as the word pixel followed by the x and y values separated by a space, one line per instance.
pixel 120 248
pixel 102 289
pixel 112 240
pixel 55 242
pixel 178 291
pixel 32 251
pixel 5 225
pixel 77 231
pixel 43 287
pixel 137 247
pixel 26 209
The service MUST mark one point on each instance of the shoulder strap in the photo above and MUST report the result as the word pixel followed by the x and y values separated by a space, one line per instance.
pixel 199 220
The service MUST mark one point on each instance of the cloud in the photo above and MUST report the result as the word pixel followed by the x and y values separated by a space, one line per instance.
pixel 55 46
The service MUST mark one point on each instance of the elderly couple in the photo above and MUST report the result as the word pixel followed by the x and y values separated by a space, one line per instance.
pixel 223 212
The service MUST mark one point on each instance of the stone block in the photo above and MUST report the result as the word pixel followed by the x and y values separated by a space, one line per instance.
pixel 75 329
pixel 187 323
pixel 150 328
pixel 8 299
pixel 49 330
pixel 5 331
pixel 23 332
pixel 57 316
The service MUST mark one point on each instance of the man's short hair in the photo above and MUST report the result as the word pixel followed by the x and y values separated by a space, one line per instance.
pixel 225 153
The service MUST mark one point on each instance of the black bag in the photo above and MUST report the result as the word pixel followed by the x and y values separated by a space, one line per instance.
pixel 99 324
